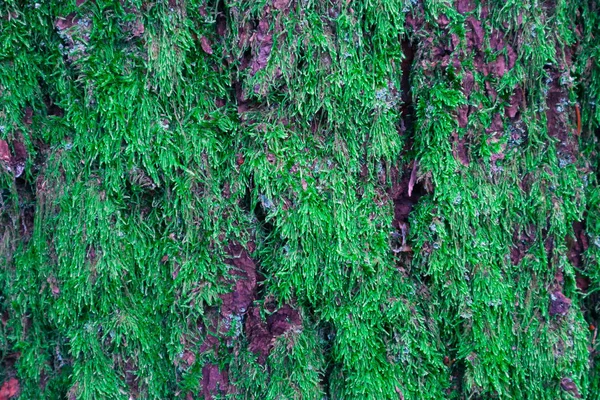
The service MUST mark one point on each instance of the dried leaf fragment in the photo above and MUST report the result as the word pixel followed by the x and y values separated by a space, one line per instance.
pixel 205 43
pixel 413 178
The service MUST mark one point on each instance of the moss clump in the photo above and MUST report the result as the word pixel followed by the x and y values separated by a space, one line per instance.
pixel 299 199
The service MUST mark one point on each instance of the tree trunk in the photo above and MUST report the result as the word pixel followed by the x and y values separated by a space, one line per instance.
pixel 299 199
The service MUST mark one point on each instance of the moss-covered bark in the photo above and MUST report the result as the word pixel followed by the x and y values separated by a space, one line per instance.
pixel 289 199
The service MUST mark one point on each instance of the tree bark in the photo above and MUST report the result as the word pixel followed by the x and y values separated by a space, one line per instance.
pixel 296 199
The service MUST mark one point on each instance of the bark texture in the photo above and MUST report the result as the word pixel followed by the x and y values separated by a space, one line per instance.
pixel 297 199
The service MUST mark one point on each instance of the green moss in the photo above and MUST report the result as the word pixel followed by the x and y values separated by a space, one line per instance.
pixel 290 127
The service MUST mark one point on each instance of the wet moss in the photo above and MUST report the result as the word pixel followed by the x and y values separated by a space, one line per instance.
pixel 299 199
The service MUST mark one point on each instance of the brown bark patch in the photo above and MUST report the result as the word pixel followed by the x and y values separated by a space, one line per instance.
pixel 5 155
pixel 64 23
pixel 465 6
pixel 459 149
pixel 515 103
pixel 28 116
pixel 262 334
pixel 244 273
pixel 577 244
pixel 521 244
pixel 14 162
pixel 497 42
pixel 474 34
pixel 281 4
pixel 19 158
pixel 263 45
pixel 132 379
pixel 210 343
pixel 462 115
pixel 214 382
pixel 557 115
pixel 568 385
pixel 468 83
pixel 559 303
